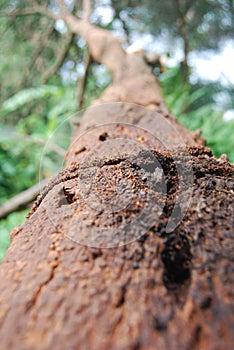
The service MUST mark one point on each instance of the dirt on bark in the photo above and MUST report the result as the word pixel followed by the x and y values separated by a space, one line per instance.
pixel 160 291
pixel 131 245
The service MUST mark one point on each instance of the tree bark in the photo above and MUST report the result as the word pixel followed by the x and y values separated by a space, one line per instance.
pixel 84 272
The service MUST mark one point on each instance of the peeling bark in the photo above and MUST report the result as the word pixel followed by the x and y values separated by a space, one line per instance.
pixel 153 290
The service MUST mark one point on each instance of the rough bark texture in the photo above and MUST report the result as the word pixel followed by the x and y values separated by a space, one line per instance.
pixel 160 290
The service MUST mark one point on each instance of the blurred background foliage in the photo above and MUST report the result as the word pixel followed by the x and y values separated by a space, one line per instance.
pixel 47 75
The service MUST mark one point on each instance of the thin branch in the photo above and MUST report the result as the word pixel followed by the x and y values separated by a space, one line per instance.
pixel 62 7
pixel 87 8
pixel 37 52
pixel 41 10
pixel 183 29
pixel 81 83
pixel 57 149
pixel 60 59
pixel 22 200
pixel 54 147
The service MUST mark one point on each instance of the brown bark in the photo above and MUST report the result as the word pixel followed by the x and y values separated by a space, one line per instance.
pixel 153 289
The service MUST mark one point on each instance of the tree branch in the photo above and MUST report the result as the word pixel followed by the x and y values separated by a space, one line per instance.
pixel 33 10
pixel 43 43
pixel 21 201
pixel 62 7
pixel 183 29
pixel 81 83
pixel 59 61
pixel 102 44
pixel 56 148
pixel 99 40
pixel 87 8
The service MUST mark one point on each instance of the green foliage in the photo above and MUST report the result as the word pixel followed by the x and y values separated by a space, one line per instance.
pixel 28 95
pixel 6 225
pixel 22 141
pixel 17 161
pixel 207 23
pixel 219 135
pixel 196 110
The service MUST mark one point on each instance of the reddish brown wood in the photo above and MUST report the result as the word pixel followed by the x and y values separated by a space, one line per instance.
pixel 163 290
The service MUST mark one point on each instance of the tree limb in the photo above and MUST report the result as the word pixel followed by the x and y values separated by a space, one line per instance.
pixel 33 10
pixel 62 7
pixel 87 8
pixel 98 40
pixel 54 147
pixel 59 60
pixel 21 201
pixel 81 83
pixel 183 29
pixel 43 43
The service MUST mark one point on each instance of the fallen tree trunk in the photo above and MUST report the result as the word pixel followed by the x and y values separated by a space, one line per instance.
pixel 131 245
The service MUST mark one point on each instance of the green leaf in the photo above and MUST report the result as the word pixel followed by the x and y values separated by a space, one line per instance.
pixel 27 95
pixel 6 226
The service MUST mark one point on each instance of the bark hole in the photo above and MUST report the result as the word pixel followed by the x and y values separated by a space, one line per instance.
pixel 67 196
pixel 80 150
pixel 176 257
pixel 103 136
